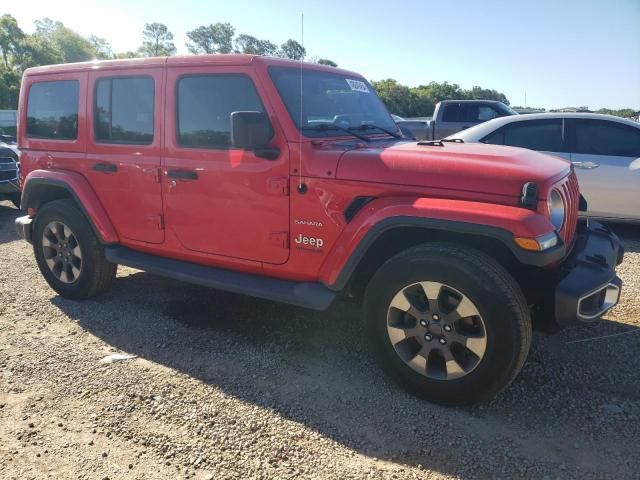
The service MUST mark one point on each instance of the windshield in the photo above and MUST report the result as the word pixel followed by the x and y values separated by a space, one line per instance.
pixel 329 99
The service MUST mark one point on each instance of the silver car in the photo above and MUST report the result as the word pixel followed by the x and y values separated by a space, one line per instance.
pixel 605 151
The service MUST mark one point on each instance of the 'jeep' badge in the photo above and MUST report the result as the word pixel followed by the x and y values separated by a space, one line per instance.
pixel 311 241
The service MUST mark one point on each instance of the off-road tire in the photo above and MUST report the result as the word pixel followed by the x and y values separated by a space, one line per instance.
pixel 494 292
pixel 96 273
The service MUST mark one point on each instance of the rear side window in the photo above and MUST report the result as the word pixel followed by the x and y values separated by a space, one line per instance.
pixel 482 113
pixel 600 137
pixel 205 103
pixel 124 110
pixel 52 110
pixel 544 135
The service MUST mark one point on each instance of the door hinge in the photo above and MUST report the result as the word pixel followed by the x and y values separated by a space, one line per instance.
pixel 279 186
pixel 279 239
pixel 157 220
pixel 155 172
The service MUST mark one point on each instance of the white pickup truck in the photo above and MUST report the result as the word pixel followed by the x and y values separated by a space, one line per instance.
pixel 452 116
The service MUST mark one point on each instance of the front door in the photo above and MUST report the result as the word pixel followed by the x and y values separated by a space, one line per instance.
pixel 218 199
pixel 606 158
pixel 123 154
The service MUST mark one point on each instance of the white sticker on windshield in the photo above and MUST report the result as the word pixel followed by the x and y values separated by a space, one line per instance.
pixel 358 85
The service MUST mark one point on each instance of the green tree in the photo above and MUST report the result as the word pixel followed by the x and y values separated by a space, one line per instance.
pixel 209 39
pixel 420 101
pixel 442 91
pixel 9 88
pixel 35 51
pixel 293 50
pixel 11 38
pixel 478 93
pixel 398 98
pixel 423 103
pixel 45 26
pixel 249 44
pixel 127 54
pixel 101 47
pixel 326 61
pixel 68 45
pixel 157 41
pixel 623 112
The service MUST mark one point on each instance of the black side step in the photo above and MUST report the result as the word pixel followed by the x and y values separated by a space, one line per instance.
pixel 303 294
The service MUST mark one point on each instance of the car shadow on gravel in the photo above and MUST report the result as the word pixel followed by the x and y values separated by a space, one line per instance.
pixel 7 216
pixel 629 233
pixel 573 404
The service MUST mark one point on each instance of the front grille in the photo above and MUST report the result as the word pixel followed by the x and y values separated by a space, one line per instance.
pixel 570 192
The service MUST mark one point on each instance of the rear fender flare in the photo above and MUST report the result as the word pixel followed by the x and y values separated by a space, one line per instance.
pixel 34 194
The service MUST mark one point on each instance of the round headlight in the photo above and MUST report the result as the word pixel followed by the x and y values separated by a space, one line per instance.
pixel 556 209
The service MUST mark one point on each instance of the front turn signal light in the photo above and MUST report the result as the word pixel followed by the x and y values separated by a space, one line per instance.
pixel 537 244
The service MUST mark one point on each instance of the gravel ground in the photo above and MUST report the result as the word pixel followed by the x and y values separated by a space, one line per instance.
pixel 226 386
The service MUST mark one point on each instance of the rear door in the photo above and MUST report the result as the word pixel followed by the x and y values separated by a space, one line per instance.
pixel 124 149
pixel 219 199
pixel 53 127
pixel 606 157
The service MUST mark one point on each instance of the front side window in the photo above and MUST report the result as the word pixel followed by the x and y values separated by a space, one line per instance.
pixel 205 104
pixel 329 101
pixel 602 137
pixel 52 110
pixel 542 135
pixel 124 110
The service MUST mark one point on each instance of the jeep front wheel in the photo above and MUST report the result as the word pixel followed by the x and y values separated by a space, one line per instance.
pixel 68 252
pixel 448 323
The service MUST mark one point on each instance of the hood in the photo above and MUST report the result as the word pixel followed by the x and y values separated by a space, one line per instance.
pixel 454 166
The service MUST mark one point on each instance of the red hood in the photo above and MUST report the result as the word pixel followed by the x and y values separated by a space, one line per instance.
pixel 467 167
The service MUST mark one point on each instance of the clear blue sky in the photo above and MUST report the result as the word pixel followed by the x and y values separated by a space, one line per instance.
pixel 562 52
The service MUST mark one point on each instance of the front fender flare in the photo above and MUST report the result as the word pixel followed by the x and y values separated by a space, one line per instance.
pixel 35 188
pixel 500 222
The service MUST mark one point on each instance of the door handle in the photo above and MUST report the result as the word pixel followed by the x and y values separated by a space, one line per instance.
pixel 588 165
pixel 267 153
pixel 105 167
pixel 183 174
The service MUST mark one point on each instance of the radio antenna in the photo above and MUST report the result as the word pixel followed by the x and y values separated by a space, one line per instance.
pixel 302 188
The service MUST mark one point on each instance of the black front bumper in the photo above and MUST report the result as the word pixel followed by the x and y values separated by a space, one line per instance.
pixel 589 286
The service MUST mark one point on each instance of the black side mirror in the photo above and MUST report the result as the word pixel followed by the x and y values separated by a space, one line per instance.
pixel 250 130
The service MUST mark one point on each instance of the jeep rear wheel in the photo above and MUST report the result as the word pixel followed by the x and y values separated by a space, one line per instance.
pixel 448 323
pixel 68 252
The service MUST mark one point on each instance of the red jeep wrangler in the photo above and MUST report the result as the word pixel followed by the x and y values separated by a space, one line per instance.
pixel 291 182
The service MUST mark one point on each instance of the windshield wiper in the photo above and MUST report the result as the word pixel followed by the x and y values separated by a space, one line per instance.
pixel 323 127
pixel 370 126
